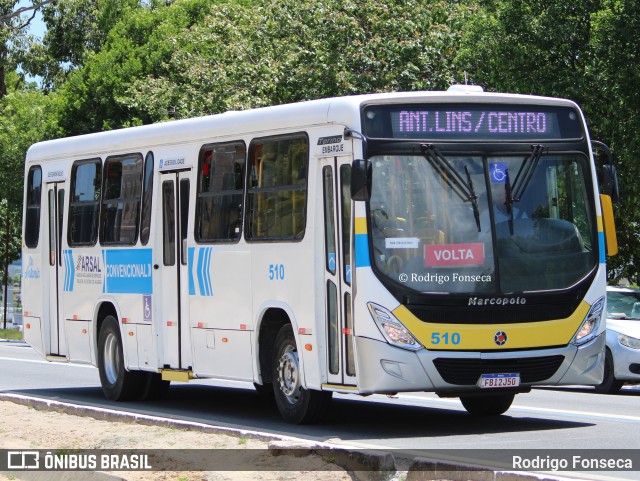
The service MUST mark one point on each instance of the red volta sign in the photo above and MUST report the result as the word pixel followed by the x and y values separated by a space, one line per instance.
pixel 444 255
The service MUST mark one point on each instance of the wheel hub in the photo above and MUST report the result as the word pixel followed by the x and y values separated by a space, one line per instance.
pixel 111 359
pixel 289 376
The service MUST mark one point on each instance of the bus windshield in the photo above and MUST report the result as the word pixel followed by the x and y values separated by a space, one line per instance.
pixel 482 223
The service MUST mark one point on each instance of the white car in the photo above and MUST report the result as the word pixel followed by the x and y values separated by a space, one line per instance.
pixel 622 361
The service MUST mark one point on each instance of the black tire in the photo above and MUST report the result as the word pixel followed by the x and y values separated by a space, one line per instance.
pixel 609 384
pixel 296 404
pixel 264 390
pixel 492 405
pixel 118 384
pixel 156 388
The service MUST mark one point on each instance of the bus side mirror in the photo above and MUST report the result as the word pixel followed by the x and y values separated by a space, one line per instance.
pixel 610 185
pixel 361 180
pixel 609 181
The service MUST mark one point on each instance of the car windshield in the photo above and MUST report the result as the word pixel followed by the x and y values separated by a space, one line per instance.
pixel 623 304
pixel 482 223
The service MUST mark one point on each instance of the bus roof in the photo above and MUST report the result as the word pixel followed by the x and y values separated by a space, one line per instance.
pixel 233 124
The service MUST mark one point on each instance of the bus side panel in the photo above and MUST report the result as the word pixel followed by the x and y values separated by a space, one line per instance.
pixel 220 311
pixel 282 278
pixel 32 289
pixel 33 333
pixel 79 335
pixel 223 353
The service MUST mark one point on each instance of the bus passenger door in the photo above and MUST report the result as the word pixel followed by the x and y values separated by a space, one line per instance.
pixel 171 262
pixel 55 342
pixel 336 182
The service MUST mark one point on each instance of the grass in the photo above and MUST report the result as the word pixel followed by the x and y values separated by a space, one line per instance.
pixel 10 334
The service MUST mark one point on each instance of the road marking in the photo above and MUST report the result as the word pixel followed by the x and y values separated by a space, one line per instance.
pixel 587 414
pixel 36 361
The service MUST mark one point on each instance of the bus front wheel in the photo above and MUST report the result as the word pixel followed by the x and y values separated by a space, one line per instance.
pixel 609 384
pixel 118 384
pixel 492 405
pixel 295 403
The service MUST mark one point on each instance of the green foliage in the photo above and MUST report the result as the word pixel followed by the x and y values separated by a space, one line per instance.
pixel 13 334
pixel 26 117
pixel 199 56
pixel 616 90
pixel 580 50
pixel 116 63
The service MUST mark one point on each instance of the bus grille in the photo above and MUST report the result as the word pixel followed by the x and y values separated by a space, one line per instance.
pixel 466 372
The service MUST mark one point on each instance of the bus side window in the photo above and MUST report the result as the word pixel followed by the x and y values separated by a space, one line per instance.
pixel 147 194
pixel 121 200
pixel 33 201
pixel 277 204
pixel 84 204
pixel 220 192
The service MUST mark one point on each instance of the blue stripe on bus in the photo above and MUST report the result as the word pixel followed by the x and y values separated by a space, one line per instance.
pixel 192 283
pixel 601 245
pixel 201 271
pixel 362 250
pixel 69 270
pixel 72 270
pixel 208 272
pixel 104 263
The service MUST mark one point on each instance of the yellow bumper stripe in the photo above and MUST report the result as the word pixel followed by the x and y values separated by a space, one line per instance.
pixel 475 337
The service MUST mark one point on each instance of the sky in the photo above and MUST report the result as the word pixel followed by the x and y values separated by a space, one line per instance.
pixel 37 26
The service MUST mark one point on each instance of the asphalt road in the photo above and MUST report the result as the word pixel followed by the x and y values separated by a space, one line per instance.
pixel 545 419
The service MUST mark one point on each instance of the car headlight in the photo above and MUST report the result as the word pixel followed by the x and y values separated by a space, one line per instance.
pixel 629 341
pixel 589 326
pixel 392 329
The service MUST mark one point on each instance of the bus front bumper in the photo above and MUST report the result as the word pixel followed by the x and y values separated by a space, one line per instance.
pixel 385 369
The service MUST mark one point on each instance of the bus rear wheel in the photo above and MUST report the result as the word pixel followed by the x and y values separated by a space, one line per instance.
pixel 295 403
pixel 118 384
pixel 492 405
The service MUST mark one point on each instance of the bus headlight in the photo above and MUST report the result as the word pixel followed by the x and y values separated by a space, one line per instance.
pixel 629 341
pixel 590 324
pixel 392 329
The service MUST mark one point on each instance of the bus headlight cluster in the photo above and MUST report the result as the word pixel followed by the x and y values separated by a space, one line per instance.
pixel 629 341
pixel 392 329
pixel 589 326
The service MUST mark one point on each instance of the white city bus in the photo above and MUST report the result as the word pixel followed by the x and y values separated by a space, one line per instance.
pixel 451 242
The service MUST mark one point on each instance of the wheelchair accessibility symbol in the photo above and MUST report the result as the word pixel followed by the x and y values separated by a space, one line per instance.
pixel 146 301
pixel 499 172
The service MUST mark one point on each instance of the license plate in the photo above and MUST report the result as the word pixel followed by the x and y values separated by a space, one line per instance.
pixel 492 381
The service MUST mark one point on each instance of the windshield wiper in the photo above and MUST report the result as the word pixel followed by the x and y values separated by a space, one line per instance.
pixel 474 198
pixel 508 201
pixel 453 179
pixel 526 172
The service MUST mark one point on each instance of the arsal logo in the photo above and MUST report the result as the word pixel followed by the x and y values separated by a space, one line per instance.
pixel 445 255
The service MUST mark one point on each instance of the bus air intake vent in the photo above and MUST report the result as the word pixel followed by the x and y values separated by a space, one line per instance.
pixel 466 372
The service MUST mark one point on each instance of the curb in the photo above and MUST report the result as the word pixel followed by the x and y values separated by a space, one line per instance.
pixel 14 341
pixel 361 464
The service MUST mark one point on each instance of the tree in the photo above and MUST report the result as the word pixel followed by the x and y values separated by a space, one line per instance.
pixel 14 40
pixel 616 88
pixel 75 29
pixel 27 117
pixel 196 57
pixel 580 50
